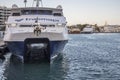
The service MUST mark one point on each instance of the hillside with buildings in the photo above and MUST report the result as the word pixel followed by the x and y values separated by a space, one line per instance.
pixel 95 28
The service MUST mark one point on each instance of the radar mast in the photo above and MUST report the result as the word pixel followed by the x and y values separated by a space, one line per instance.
pixel 38 3
pixel 25 1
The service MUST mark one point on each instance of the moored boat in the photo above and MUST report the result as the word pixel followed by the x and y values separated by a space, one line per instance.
pixel 87 30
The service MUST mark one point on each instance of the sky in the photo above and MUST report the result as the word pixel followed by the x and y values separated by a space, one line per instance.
pixel 81 11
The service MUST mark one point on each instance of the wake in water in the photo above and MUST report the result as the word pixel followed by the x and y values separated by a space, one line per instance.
pixel 4 65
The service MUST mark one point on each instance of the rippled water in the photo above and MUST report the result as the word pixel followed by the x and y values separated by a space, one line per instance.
pixel 86 57
pixel 94 57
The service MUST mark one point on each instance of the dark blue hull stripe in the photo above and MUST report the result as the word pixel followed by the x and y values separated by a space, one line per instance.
pixel 17 48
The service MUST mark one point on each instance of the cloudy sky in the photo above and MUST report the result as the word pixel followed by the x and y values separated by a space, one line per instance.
pixel 81 11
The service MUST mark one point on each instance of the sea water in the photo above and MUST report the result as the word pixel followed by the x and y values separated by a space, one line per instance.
pixel 85 57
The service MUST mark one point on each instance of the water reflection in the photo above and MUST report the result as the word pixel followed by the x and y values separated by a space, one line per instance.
pixel 57 70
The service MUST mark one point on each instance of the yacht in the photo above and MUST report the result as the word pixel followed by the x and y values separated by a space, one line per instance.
pixel 35 33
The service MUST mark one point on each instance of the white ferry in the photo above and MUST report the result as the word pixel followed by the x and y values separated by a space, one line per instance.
pixel 87 29
pixel 36 32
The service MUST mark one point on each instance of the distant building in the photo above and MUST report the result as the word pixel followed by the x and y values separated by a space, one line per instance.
pixel 101 28
pixel 4 14
pixel 112 28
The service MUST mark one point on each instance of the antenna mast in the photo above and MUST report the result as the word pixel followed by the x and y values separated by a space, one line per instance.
pixel 38 3
pixel 25 1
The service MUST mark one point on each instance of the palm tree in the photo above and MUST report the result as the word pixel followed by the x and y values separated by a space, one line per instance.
pixel 97 28
pixel 81 26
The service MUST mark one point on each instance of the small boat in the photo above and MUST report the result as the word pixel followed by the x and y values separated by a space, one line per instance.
pixel 87 30
pixel 35 33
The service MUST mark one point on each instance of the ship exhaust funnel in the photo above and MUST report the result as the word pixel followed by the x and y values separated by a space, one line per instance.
pixel 37 50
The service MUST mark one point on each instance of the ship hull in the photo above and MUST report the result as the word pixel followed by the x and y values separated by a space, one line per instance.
pixel 18 48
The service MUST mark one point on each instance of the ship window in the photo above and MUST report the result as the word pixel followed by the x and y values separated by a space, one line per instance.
pixel 51 25
pixel 45 12
pixel 43 25
pixel 57 14
pixel 16 14
pixel 26 26
pixel 25 12
pixel 34 12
